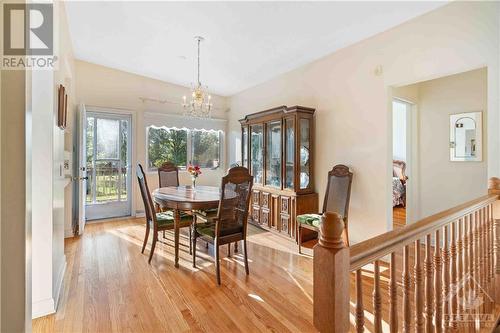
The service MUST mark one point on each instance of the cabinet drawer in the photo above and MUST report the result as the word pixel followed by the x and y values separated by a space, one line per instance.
pixel 264 217
pixel 256 214
pixel 265 200
pixel 285 223
pixel 256 198
pixel 285 205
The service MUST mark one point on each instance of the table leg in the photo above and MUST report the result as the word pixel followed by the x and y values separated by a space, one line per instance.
pixel 177 220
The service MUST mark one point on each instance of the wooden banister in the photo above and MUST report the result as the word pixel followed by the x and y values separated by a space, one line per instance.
pixel 451 256
pixel 379 246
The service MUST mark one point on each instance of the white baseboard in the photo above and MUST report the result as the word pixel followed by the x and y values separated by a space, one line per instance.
pixel 140 213
pixel 59 283
pixel 42 308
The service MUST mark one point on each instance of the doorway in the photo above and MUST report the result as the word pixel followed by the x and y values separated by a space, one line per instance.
pixel 401 155
pixel 108 165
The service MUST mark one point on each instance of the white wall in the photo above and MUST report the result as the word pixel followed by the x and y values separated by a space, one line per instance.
pixel 444 184
pixel 399 113
pixel 353 103
pixel 49 183
pixel 109 89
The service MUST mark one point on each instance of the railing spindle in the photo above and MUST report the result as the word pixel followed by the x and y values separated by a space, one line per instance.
pixel 491 250
pixel 393 296
pixel 465 260
pixel 477 253
pixel 406 290
pixel 446 279
pixel 489 247
pixel 377 299
pixel 460 268
pixel 472 262
pixel 428 284
pixel 437 282
pixel 419 295
pixel 360 315
pixel 453 272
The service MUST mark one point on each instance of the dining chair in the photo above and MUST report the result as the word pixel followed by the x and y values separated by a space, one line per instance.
pixel 168 175
pixel 337 196
pixel 158 221
pixel 230 224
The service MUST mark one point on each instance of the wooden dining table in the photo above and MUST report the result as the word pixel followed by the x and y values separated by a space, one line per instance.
pixel 185 198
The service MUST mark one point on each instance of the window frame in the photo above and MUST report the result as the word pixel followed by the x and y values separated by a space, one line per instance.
pixel 189 146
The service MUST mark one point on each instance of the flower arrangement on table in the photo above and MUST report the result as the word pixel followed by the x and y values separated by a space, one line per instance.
pixel 194 171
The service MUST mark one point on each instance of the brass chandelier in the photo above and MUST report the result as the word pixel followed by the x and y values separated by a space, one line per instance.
pixel 199 105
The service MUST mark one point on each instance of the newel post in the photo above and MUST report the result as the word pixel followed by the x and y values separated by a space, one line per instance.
pixel 331 277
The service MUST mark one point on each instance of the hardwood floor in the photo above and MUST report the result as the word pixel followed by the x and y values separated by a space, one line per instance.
pixel 399 216
pixel 109 286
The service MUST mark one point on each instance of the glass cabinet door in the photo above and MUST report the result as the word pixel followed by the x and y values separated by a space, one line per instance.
pixel 244 146
pixel 289 153
pixel 256 152
pixel 273 154
pixel 304 151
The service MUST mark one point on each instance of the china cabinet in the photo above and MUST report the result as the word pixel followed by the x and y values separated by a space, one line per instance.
pixel 277 147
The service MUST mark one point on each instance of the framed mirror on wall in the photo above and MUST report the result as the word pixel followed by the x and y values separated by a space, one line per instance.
pixel 466 137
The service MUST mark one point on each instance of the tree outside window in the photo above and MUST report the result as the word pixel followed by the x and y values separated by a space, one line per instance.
pixel 205 149
pixel 181 146
pixel 166 145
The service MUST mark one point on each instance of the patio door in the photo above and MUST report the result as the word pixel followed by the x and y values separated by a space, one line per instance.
pixel 108 143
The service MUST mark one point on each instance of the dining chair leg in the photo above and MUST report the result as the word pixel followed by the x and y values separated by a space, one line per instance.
pixel 206 245
pixel 145 238
pixel 229 249
pixel 236 247
pixel 246 256
pixel 190 247
pixel 155 237
pixel 194 248
pixel 177 219
pixel 300 239
pixel 217 263
pixel 164 234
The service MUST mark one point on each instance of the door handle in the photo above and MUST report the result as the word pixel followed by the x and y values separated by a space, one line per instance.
pixel 81 178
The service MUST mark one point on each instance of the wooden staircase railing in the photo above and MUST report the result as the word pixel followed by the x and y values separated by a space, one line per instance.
pixel 438 274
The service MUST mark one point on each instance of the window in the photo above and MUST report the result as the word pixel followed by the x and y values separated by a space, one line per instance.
pixel 205 149
pixel 183 146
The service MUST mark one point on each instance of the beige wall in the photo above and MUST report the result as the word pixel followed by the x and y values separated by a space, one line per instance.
pixel 16 220
pixel 118 91
pixel 353 103
pixel 444 184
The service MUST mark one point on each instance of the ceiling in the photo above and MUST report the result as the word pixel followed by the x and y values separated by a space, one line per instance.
pixel 246 43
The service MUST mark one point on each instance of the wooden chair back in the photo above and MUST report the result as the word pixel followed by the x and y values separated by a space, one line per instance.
pixel 168 175
pixel 146 196
pixel 338 191
pixel 233 206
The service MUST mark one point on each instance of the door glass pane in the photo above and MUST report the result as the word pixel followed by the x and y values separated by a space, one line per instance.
pixel 244 138
pixel 305 164
pixel 289 152
pixel 107 180
pixel 273 161
pixel 257 141
pixel 90 155
pixel 108 138
pixel 124 159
